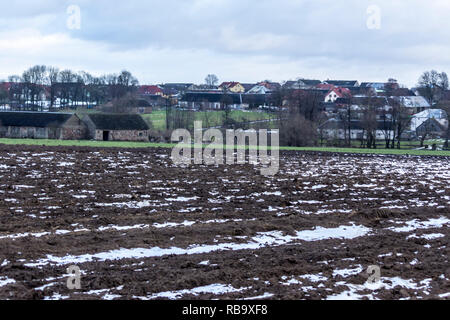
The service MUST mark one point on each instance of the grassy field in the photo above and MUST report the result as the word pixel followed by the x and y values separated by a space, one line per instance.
pixel 373 151
pixel 157 119
pixel 403 144
pixel 84 143
pixel 211 119
pixel 119 144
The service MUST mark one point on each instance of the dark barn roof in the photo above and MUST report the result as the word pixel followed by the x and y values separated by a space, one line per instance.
pixel 343 83
pixel 175 88
pixel 248 86
pixel 33 119
pixel 310 82
pixel 372 101
pixel 359 90
pixel 212 97
pixel 231 98
pixel 118 122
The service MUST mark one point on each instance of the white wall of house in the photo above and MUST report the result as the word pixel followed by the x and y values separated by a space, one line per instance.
pixel 258 90
pixel 331 97
pixel 355 134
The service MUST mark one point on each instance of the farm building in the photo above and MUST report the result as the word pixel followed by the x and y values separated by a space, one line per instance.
pixel 438 114
pixel 41 125
pixel 217 100
pixel 431 127
pixel 336 129
pixel 116 127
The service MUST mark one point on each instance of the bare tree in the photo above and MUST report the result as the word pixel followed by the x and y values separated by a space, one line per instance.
pixel 211 80
pixel 34 80
pixel 298 132
pixel 401 120
pixel 446 108
pixel 369 122
pixel 226 102
pixel 125 104
pixel 346 115
pixel 16 91
pixel 306 103
pixel 388 125
pixel 52 79
pixel 4 95
pixel 432 84
pixel 67 79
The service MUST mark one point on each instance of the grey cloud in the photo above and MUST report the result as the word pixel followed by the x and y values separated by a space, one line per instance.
pixel 318 32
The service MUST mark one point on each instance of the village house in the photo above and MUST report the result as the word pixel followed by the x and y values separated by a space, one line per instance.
pixel 234 87
pixel 324 86
pixel 203 87
pixel 301 84
pixel 336 93
pixel 212 100
pixel 432 121
pixel 146 104
pixel 343 83
pixel 258 89
pixel 415 104
pixel 248 86
pixel 431 128
pixel 337 129
pixel 272 86
pixel 40 125
pixel 150 90
pixel 218 100
pixel 378 86
pixel 176 89
pixel 116 127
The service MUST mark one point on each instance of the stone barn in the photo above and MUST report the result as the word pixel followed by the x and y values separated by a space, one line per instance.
pixel 117 127
pixel 42 125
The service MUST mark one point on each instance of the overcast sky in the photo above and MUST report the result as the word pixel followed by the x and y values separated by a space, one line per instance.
pixel 242 40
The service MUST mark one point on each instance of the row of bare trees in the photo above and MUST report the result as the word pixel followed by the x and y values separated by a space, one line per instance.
pixel 64 87
pixel 303 116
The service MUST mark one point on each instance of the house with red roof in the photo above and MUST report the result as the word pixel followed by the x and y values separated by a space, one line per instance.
pixel 6 86
pixel 336 93
pixel 150 90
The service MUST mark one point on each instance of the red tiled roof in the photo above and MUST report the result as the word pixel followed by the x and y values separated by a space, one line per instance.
pixel 151 90
pixel 325 86
pixel 6 85
pixel 228 84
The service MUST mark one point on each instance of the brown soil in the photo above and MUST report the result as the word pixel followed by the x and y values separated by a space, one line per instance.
pixel 66 201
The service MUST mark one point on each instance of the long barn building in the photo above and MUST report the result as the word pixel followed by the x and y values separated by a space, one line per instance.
pixel 39 125
pixel 117 127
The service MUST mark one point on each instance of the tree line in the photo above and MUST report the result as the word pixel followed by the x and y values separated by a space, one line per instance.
pixel 64 87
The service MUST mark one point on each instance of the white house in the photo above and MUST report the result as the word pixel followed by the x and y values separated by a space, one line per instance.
pixel 416 103
pixel 258 90
pixel 437 114
pixel 336 93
